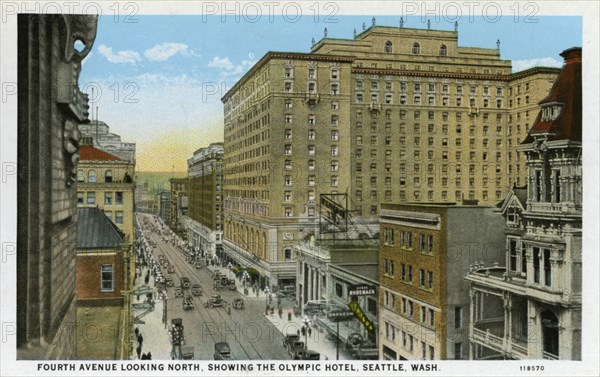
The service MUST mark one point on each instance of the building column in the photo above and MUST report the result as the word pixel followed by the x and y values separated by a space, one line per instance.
pixel 472 319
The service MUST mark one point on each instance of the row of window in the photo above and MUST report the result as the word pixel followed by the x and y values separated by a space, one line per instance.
pixel 458 195
pixel 312 135
pixel 431 88
pixel 90 197
pixel 288 73
pixel 312 119
pixel 542 265
pixel 312 180
pixel 118 219
pixel 417 100
pixel 92 176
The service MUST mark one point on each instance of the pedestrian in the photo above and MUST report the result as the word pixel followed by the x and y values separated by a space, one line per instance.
pixel 138 350
pixel 144 357
pixel 136 330
pixel 140 339
pixel 309 331
pixel 280 313
pixel 303 330
pixel 149 356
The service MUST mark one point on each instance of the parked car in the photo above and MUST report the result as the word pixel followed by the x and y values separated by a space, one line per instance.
pixel 198 265
pixel 288 339
pixel 171 269
pixel 222 351
pixel 188 304
pixel 196 289
pixel 169 281
pixel 178 292
pixel 185 283
pixel 231 284
pixel 215 301
pixel 238 303
pixel 295 348
pixel 366 354
pixel 308 355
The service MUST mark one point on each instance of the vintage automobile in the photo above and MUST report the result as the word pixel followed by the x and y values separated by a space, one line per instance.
pixel 308 355
pixel 185 283
pixel 196 289
pixel 217 285
pixel 238 303
pixel 187 303
pixel 366 354
pixel 295 348
pixel 169 281
pixel 178 292
pixel 198 265
pixel 215 301
pixel 222 351
pixel 171 269
pixel 290 338
pixel 231 284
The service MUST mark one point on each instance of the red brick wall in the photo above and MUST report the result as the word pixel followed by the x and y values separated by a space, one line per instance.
pixel 89 275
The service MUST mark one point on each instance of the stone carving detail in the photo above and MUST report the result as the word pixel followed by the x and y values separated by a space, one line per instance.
pixel 72 101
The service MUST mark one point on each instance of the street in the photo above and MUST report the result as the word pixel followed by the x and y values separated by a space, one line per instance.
pixel 249 333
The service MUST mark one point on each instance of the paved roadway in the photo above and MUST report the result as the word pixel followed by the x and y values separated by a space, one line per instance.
pixel 249 333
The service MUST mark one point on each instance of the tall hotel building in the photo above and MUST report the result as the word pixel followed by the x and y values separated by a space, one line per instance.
pixel 205 193
pixel 393 115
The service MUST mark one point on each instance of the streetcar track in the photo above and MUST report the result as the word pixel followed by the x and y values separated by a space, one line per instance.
pixel 217 317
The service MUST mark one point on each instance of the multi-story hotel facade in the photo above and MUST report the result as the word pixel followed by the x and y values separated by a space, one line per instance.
pixel 531 307
pixel 205 200
pixel 392 115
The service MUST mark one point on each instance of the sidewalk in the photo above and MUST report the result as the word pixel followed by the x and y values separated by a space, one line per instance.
pixel 316 341
pixel 156 337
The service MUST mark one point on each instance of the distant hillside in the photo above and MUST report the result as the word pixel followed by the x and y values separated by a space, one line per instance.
pixel 157 181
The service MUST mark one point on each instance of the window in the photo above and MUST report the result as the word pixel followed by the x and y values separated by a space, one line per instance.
pixel 91 198
pixel 429 280
pixel 547 268
pixel 288 103
pixel 388 47
pixel 92 176
pixel 80 175
pixel 311 180
pixel 421 278
pixel 311 150
pixel 80 197
pixel 288 134
pixel 106 278
pixel 443 50
pixel 287 149
pixel 457 351
pixel 287 87
pixel 457 317
pixel 108 198
pixel 334 181
pixel 335 73
pixel 287 180
pixel 431 317
pixel 334 150
pixel 334 166
pixel 287 196
pixel 416 49
pixel 334 89
pixel 288 212
pixel 119 217
pixel 287 253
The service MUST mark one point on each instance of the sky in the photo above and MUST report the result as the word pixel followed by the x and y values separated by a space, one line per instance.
pixel 158 81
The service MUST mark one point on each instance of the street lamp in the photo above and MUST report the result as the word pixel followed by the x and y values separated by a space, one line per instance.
pixel 245 277
pixel 306 323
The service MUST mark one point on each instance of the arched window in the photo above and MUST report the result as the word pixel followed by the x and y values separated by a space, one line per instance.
pixel 92 176
pixel 416 49
pixel 80 175
pixel 108 176
pixel 550 336
pixel 443 50
pixel 388 47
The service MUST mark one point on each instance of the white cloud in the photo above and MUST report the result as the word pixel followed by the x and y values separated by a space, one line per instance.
pixel 228 68
pixel 223 63
pixel 123 56
pixel 164 51
pixel 519 65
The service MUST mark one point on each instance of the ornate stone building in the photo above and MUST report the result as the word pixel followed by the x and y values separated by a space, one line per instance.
pixel 531 308
pixel 393 115
pixel 50 106
pixel 179 204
